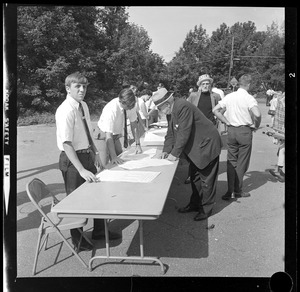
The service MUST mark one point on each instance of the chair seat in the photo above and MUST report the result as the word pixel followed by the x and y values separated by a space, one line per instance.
pixel 66 223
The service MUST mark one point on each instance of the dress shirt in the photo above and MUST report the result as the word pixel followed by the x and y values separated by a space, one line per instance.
pixel 238 104
pixel 112 117
pixel 219 91
pixel 142 108
pixel 150 105
pixel 69 124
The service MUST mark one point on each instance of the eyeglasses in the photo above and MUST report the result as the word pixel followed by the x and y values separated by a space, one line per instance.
pixel 203 84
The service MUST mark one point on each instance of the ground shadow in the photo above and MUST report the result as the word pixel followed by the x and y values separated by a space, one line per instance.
pixel 114 226
pixel 173 232
pixel 37 170
pixel 56 189
pixel 255 179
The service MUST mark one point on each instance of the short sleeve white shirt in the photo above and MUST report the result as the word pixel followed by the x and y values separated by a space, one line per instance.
pixel 150 104
pixel 112 117
pixel 219 91
pixel 238 105
pixel 69 124
pixel 142 108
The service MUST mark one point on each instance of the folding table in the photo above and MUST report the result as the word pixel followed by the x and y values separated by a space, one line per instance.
pixel 121 200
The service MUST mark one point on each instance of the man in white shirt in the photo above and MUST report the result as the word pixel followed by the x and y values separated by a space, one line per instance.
pixel 242 117
pixel 140 108
pixel 79 158
pixel 113 123
pixel 219 91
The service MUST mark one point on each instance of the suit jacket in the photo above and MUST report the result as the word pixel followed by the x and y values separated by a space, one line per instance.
pixel 189 131
pixel 195 97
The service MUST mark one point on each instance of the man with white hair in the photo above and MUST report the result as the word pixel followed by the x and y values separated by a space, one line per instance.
pixel 204 98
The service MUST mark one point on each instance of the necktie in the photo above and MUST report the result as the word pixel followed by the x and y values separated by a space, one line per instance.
pixel 125 130
pixel 85 125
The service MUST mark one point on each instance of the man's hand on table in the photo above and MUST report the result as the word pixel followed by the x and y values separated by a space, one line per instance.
pixel 172 158
pixel 162 155
pixel 117 160
pixel 88 176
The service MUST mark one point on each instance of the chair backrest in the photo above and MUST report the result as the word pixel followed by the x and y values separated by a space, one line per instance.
pixel 36 191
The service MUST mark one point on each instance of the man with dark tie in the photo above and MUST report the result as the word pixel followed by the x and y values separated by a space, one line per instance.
pixel 79 157
pixel 113 126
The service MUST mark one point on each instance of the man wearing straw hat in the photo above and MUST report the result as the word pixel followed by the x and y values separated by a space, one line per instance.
pixel 205 99
pixel 191 133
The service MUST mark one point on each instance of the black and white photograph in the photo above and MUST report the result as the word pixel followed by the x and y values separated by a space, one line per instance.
pixel 144 147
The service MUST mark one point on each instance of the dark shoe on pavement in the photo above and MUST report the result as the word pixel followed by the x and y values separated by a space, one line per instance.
pixel 281 173
pixel 188 180
pixel 278 174
pixel 200 216
pixel 84 245
pixel 242 195
pixel 111 235
pixel 188 209
pixel 227 197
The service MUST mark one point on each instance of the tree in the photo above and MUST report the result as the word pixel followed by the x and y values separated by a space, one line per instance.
pixel 191 60
pixel 51 45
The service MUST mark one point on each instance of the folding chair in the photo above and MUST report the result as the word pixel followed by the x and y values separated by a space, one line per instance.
pixel 50 222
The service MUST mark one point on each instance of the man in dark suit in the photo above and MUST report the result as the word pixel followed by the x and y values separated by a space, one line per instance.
pixel 191 133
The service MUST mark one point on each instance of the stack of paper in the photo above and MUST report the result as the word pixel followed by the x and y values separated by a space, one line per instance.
pixel 127 176
pixel 133 161
pixel 156 137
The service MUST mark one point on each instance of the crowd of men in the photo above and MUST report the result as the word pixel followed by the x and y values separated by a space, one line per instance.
pixel 195 126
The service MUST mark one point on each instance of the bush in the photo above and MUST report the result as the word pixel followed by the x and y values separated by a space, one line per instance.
pixel 34 118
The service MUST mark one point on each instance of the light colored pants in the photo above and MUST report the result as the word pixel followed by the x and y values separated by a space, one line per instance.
pixel 281 155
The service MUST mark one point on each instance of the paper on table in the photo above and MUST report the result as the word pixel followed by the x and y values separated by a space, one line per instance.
pixel 155 137
pixel 133 161
pixel 127 176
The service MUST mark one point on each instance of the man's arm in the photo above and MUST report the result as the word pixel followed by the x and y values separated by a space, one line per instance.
pixel 111 149
pixel 72 155
pixel 135 131
pixel 218 112
pixel 255 116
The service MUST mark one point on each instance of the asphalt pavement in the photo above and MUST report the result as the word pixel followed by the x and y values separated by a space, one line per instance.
pixel 244 238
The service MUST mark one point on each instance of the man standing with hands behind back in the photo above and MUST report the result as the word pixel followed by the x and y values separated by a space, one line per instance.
pixel 242 117
pixel 79 158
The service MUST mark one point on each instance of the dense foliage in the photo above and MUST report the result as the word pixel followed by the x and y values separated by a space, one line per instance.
pixel 55 41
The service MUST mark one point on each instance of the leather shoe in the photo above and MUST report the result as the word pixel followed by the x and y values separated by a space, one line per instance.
pixel 84 245
pixel 111 235
pixel 188 209
pixel 227 197
pixel 200 216
pixel 242 195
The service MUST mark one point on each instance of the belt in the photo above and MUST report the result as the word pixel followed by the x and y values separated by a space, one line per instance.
pixel 239 126
pixel 84 150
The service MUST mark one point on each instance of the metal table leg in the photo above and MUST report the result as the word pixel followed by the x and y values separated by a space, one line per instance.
pixel 140 258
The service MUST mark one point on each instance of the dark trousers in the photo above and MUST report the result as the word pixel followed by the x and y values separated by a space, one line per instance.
pixel 73 180
pixel 239 146
pixel 204 185
pixel 153 117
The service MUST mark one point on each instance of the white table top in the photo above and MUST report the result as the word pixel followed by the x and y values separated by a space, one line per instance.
pixel 120 200
pixel 154 136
